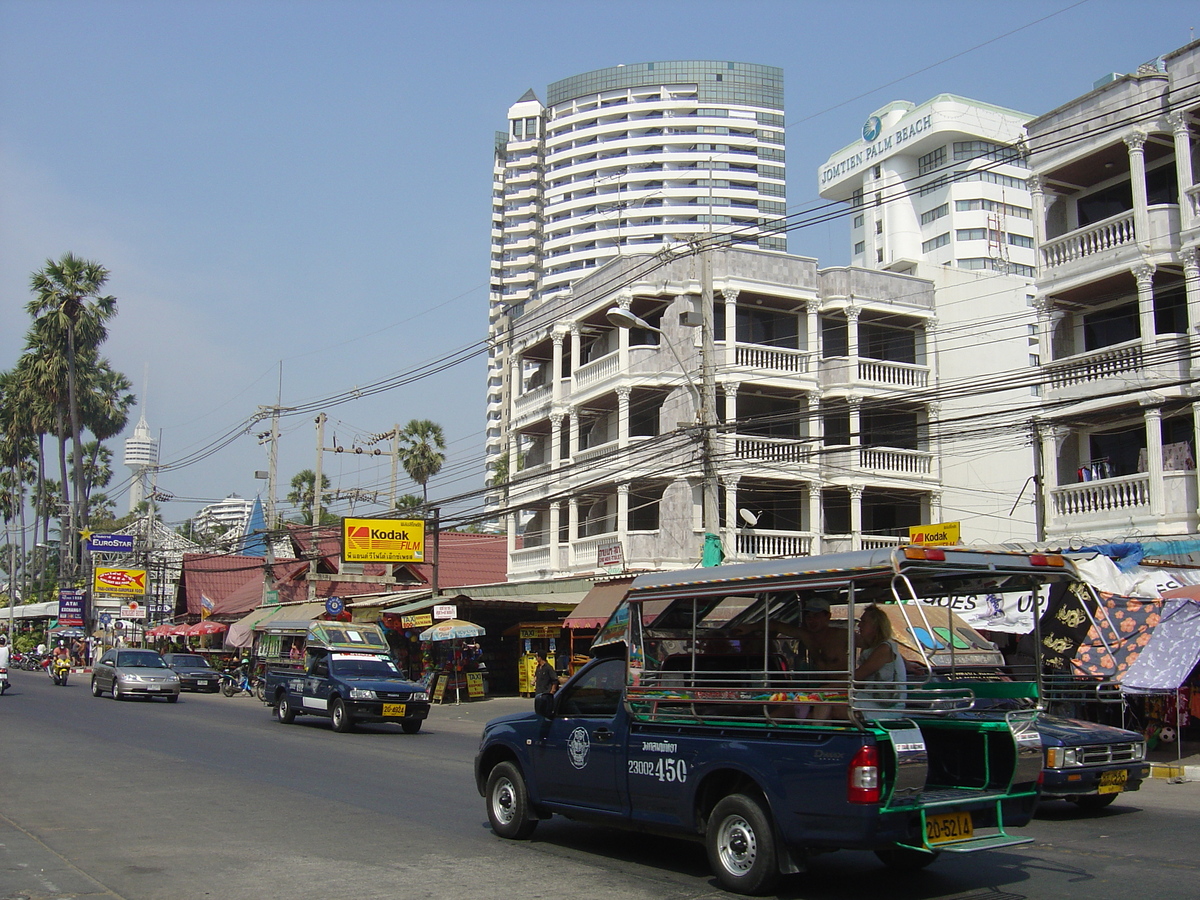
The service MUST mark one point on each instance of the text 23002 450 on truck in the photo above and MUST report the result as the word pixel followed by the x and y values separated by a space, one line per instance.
pixel 718 707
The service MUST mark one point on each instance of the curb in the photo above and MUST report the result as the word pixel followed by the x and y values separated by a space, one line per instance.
pixel 1169 772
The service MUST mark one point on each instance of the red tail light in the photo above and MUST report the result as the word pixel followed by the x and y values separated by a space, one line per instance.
pixel 863 782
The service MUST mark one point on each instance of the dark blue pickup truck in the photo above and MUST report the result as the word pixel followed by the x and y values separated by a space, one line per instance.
pixel 1090 764
pixel 348 677
pixel 691 722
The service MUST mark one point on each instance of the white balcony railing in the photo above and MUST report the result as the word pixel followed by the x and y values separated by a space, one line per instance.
pixel 1193 201
pixel 596 370
pixel 772 359
pixel 895 462
pixel 1103 363
pixel 779 544
pixel 1115 231
pixel 529 559
pixel 774 450
pixel 873 371
pixel 1106 495
pixel 590 453
pixel 532 399
pixel 584 551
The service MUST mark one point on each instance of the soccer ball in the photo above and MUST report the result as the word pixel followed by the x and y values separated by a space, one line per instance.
pixel 1166 735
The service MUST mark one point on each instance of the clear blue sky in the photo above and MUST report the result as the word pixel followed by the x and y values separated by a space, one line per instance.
pixel 308 183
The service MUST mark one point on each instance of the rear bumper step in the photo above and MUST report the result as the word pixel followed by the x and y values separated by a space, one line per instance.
pixel 984 842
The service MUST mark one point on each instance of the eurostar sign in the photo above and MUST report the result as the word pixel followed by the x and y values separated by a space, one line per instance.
pixel 383 540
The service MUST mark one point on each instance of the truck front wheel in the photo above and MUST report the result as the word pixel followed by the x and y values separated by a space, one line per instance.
pixel 340 717
pixel 1094 802
pixel 741 846
pixel 508 803
pixel 284 711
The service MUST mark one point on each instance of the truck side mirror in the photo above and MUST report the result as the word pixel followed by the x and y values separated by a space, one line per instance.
pixel 543 705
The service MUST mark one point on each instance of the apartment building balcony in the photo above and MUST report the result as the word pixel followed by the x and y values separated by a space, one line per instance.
pixel 1190 230
pixel 596 370
pixel 533 403
pixel 755 359
pixel 845 372
pixel 757 543
pixel 881 462
pixel 845 543
pixel 1116 507
pixel 1117 368
pixel 791 451
pixel 1110 244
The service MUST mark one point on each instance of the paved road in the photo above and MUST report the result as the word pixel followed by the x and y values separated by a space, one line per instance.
pixel 209 797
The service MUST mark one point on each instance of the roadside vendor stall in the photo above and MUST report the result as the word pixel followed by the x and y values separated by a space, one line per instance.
pixel 454 669
pixel 540 637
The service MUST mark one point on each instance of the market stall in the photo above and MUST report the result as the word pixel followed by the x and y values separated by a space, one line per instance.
pixel 453 664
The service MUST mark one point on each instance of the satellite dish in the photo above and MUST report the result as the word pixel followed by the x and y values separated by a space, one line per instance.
pixel 748 517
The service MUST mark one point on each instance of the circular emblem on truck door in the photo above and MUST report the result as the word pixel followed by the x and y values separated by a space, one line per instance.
pixel 578 747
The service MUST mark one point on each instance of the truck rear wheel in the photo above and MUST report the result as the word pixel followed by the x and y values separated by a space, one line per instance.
pixel 342 722
pixel 508 803
pixel 741 846
pixel 906 859
pixel 284 711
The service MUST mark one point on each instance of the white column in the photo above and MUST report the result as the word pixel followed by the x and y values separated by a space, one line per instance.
pixel 1191 281
pixel 510 526
pixel 1045 307
pixel 576 349
pixel 855 424
pixel 935 506
pixel 624 301
pixel 623 516
pixel 556 367
pixel 1037 192
pixel 556 421
pixel 1137 170
pixel 572 529
pixel 1154 460
pixel 811 310
pixel 573 445
pixel 852 314
pixel 1145 295
pixel 1181 131
pixel 856 493
pixel 814 516
pixel 623 413
pixel 552 538
pixel 733 522
pixel 730 449
pixel 730 295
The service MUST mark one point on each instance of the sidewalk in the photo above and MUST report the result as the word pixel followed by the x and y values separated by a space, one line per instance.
pixel 1175 762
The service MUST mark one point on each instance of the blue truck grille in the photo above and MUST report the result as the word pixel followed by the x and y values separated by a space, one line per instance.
pixel 1110 753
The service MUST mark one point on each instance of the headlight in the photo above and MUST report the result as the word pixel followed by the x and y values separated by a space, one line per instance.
pixel 1060 757
pixel 420 695
pixel 1139 751
pixel 129 676
pixel 360 694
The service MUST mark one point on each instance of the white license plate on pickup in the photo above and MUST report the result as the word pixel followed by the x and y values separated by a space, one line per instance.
pixel 394 709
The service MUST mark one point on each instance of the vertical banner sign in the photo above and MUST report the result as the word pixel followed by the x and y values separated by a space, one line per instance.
pixel 383 540
pixel 71 607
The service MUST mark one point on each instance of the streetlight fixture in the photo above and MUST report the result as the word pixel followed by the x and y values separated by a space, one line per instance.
pixel 711 554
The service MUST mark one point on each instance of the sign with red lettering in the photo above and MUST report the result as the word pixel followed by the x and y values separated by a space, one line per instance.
pixel 383 540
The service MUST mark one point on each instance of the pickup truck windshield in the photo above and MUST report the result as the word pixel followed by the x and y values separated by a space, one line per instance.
pixel 364 667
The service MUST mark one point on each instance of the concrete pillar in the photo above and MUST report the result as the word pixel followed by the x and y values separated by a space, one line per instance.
pixel 556 366
pixel 1136 142
pixel 730 448
pixel 552 538
pixel 624 301
pixel 623 515
pixel 1191 281
pixel 1181 131
pixel 852 314
pixel 573 445
pixel 813 326
pixel 1037 193
pixel 576 348
pixel 1154 460
pixel 814 516
pixel 1145 295
pixel 856 493
pixel 572 529
pixel 730 295
pixel 556 421
pixel 623 413
pixel 855 423
pixel 733 522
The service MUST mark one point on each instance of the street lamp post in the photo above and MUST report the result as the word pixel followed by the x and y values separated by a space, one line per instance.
pixel 706 414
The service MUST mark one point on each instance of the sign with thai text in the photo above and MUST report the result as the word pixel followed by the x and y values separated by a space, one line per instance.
pixel 445 611
pixel 110 543
pixel 383 540
pixel 943 534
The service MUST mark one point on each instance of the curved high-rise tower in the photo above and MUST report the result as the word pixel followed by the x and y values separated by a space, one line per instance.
pixel 141 457
pixel 621 161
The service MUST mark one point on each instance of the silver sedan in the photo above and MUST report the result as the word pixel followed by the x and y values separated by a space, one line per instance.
pixel 134 673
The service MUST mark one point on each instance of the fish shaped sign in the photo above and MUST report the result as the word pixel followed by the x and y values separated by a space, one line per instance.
pixel 119 582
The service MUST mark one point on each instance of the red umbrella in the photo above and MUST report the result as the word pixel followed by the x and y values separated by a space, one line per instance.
pixel 160 630
pixel 207 627
pixel 177 630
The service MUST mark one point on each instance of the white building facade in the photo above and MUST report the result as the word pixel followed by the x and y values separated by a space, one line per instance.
pixel 1117 213
pixel 939 190
pixel 624 161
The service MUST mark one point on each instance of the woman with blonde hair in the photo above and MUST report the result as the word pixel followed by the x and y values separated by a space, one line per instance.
pixel 879 661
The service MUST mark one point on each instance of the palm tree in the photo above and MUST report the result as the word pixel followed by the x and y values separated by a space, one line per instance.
pixel 69 313
pixel 421 446
pixel 301 495
pixel 408 503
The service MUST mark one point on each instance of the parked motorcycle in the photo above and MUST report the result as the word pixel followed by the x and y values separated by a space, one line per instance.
pixel 59 669
pixel 3 681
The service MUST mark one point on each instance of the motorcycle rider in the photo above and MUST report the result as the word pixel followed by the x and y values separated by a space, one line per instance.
pixel 4 659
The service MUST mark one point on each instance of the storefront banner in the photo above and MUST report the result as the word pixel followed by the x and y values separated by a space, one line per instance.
pixel 71 605
pixel 1008 613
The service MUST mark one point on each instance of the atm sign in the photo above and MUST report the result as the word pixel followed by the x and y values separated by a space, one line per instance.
pixel 383 540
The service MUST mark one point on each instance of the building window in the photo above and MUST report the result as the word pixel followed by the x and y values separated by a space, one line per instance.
pixel 934 214
pixel 860 247
pixel 1007 209
pixel 771 153
pixel 879 256
pixel 1020 240
pixel 879 226
pixel 932 160
pixel 856 199
pixel 971 234
pixel 964 150
pixel 858 221
pixel 877 171
pixel 933 243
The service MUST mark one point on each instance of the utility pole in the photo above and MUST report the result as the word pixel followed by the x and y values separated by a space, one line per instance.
pixel 708 407
pixel 395 460
pixel 1039 508
pixel 315 553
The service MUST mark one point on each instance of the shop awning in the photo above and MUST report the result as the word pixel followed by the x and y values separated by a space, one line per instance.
pixel 241 632
pixel 598 604
pixel 426 602
pixel 1173 650
pixel 292 619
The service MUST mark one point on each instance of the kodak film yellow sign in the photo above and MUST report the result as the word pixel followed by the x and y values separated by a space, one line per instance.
pixel 943 534
pixel 383 540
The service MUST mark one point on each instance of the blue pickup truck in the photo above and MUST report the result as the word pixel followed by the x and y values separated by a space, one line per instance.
pixel 1089 764
pixel 691 721
pixel 348 677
